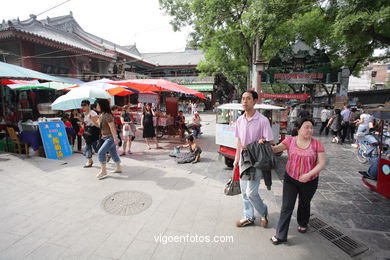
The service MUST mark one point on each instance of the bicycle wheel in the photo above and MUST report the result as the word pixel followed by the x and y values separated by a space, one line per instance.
pixel 359 153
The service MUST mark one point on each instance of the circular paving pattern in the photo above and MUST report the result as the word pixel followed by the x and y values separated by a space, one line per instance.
pixel 126 203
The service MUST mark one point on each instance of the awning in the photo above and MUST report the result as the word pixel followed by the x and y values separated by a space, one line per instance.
pixel 201 87
pixel 156 85
pixel 10 71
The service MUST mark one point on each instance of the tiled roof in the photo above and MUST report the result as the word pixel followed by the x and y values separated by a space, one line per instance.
pixel 45 30
pixel 188 57
pixel 65 30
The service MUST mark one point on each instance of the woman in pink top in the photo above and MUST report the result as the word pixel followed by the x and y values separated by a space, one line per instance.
pixel 306 158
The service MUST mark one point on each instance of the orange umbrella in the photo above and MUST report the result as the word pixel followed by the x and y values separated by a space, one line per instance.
pixel 143 85
pixel 119 91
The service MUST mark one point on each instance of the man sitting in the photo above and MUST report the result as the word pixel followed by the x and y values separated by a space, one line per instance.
pixel 181 121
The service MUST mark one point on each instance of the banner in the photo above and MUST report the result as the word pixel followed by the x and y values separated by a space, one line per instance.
pixel 148 98
pixel 284 96
pixel 54 139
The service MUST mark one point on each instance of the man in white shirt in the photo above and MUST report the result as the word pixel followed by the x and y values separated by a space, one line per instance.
pixel 326 113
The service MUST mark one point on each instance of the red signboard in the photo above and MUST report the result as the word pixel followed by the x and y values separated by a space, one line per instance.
pixel 284 96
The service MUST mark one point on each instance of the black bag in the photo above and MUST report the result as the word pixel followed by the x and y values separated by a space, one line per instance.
pixel 91 134
pixel 232 187
pixel 100 143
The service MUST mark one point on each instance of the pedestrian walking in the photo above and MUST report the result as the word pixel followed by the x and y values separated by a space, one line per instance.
pixel 147 125
pixel 304 113
pixel 117 113
pixel 346 114
pixel 196 125
pixel 251 127
pixel 306 159
pixel 128 130
pixel 109 138
pixel 76 119
pixel 194 108
pixel 91 131
pixel 352 124
pixel 326 114
pixel 335 125
pixel 189 107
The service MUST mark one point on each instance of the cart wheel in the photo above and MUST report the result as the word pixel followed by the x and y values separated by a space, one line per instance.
pixel 229 162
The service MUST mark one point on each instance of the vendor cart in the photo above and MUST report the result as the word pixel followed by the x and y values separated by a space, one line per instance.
pixel 227 115
pixel 382 184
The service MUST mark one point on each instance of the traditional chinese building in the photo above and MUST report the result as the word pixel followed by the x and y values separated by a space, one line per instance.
pixel 59 46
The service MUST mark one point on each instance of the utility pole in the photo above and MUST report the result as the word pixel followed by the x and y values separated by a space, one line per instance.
pixel 260 65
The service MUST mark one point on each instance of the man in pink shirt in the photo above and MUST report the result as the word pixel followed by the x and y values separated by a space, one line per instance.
pixel 251 127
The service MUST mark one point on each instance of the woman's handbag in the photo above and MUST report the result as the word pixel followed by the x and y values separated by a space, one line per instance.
pixel 233 186
pixel 100 142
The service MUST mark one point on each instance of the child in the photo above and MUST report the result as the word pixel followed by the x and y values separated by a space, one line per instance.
pixel 128 130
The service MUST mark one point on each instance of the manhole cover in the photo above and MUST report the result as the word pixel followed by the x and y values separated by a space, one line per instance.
pixel 126 203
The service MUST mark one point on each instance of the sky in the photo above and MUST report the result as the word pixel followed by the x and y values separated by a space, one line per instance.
pixel 123 22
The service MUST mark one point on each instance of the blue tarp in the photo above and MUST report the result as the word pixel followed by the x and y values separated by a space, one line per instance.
pixel 10 71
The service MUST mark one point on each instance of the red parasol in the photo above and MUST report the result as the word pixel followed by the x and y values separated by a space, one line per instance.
pixel 144 85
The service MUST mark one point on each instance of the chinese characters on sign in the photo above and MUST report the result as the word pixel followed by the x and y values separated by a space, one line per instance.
pixel 284 96
pixel 148 98
pixel 55 140
pixel 287 76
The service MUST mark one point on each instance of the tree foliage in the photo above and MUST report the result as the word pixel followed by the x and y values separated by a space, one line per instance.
pixel 226 30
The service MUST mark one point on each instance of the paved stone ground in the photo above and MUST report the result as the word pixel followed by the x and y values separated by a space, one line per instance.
pixel 52 209
pixel 345 201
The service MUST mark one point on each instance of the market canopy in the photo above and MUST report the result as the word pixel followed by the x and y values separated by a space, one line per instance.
pixel 105 84
pixel 157 85
pixel 10 71
pixel 35 84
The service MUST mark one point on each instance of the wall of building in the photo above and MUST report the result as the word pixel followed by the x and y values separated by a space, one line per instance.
pixel 379 74
pixel 363 82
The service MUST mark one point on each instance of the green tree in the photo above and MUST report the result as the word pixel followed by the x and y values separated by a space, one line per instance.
pixel 226 30
pixel 349 30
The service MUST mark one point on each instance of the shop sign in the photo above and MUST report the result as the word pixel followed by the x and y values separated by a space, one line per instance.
pixel 55 140
pixel 300 64
pixel 284 96
pixel 148 98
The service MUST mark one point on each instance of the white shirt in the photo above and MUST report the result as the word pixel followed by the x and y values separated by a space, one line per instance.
pixel 87 119
pixel 366 119
pixel 196 121
pixel 324 115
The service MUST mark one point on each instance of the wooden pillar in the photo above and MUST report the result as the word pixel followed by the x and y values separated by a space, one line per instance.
pixel 26 50
pixel 72 67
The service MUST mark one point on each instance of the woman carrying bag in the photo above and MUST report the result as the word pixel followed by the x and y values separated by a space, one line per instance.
pixel 91 131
